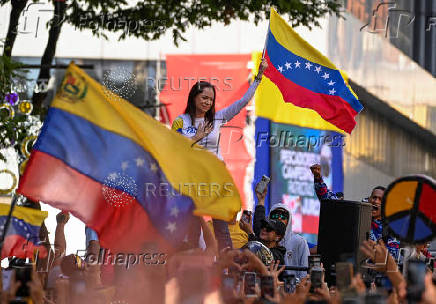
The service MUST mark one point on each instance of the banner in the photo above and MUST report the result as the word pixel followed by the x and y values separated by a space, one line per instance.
pixel 293 150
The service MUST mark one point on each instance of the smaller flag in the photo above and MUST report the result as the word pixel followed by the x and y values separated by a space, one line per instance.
pixel 306 78
pixel 22 238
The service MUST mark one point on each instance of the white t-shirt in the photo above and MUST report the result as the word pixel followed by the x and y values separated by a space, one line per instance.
pixel 184 126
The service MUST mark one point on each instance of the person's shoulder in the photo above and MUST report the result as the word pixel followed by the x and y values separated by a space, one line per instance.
pixel 179 123
pixel 298 238
pixel 181 117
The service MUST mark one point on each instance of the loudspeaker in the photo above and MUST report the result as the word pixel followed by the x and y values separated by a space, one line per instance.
pixel 343 226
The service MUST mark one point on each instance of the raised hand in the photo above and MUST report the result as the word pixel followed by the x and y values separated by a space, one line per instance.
pixel 263 66
pixel 316 170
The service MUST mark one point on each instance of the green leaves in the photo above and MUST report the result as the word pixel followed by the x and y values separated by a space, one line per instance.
pixel 149 19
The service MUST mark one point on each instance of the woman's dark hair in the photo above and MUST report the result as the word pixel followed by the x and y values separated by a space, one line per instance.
pixel 196 89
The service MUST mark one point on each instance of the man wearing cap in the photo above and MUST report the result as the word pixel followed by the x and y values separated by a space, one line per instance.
pixel 270 234
pixel 296 249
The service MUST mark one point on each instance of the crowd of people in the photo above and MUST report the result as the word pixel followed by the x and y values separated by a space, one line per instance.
pixel 265 263
pixel 255 258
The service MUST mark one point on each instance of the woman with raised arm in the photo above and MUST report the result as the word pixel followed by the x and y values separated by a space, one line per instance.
pixel 202 124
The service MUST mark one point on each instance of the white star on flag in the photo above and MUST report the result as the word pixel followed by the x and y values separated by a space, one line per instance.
pixel 325 76
pixel 124 165
pixel 140 162
pixel 332 91
pixel 171 227
pixel 308 65
pixel 318 69
pixel 280 69
pixel 297 64
pixel 288 65
pixel 174 211
pixel 331 82
pixel 113 176
pixel 153 167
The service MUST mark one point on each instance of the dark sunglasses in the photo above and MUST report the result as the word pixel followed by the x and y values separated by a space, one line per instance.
pixel 279 215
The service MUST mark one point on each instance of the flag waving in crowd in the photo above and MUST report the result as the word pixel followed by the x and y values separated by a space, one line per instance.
pixel 22 237
pixel 306 78
pixel 120 171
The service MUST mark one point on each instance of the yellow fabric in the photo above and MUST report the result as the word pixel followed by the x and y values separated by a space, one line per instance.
pixel 290 40
pixel 181 163
pixel 269 104
pixel 239 237
pixel 31 216
pixel 400 198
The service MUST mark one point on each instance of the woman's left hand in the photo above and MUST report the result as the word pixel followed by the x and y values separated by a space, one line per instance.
pixel 263 66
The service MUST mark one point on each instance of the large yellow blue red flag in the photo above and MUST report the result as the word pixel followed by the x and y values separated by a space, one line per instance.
pixel 123 173
pixel 22 237
pixel 306 78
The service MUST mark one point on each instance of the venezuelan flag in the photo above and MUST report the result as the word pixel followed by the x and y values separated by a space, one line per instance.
pixel 22 238
pixel 306 78
pixel 121 172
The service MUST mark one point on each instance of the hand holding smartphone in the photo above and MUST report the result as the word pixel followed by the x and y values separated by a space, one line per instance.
pixel 267 286
pixel 250 284
pixel 246 216
pixel 415 277
pixel 344 275
pixel 263 184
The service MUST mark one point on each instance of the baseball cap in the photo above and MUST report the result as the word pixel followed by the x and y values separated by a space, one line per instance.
pixel 275 225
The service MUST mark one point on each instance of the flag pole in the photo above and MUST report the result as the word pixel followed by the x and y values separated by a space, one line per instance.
pixel 8 220
pixel 266 39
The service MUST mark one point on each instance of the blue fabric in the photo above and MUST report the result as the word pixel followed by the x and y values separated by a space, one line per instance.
pixel 311 245
pixel 87 148
pixel 376 234
pixel 300 73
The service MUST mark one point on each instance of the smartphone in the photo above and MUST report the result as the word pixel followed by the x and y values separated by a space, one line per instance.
pixel 23 274
pixel 314 261
pixel 290 282
pixel 316 274
pixel 415 277
pixel 246 216
pixel 6 278
pixel 267 286
pixel 250 284
pixel 344 274
pixel 228 284
pixel 261 186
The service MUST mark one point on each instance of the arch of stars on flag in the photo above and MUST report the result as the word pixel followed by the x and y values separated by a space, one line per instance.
pixel 302 66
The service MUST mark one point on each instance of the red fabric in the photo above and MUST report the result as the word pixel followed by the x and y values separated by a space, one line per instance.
pixel 20 247
pixel 122 229
pixel 331 108
pixel 229 73
pixel 310 224
pixel 427 201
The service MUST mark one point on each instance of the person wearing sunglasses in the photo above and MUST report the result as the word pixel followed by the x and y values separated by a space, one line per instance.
pixel 297 250
pixel 271 233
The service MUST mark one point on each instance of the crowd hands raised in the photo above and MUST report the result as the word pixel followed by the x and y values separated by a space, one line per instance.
pixel 252 273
